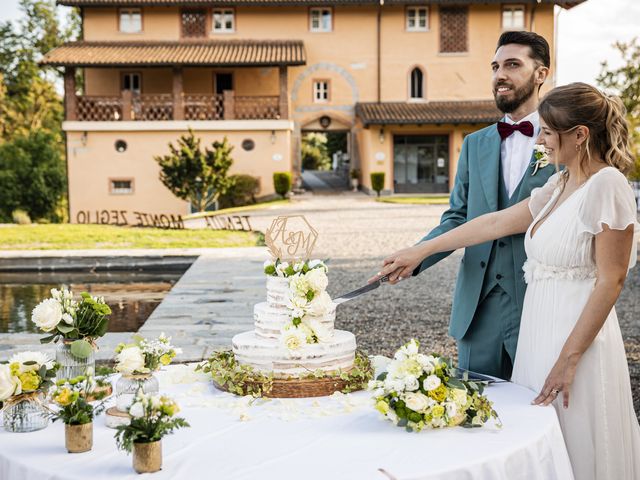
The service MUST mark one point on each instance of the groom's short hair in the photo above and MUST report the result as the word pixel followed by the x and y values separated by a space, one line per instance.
pixel 538 46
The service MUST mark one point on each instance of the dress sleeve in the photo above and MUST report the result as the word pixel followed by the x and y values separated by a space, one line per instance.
pixel 610 201
pixel 540 196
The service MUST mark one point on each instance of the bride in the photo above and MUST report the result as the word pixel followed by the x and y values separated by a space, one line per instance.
pixel 581 239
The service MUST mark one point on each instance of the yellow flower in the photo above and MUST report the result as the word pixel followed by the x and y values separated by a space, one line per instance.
pixel 438 394
pixel 30 381
pixel 437 411
pixel 382 407
pixel 63 398
pixel 165 359
pixel 15 369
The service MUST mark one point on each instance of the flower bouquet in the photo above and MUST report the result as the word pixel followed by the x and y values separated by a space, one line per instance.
pixel 78 323
pixel 73 396
pixel 24 382
pixel 421 391
pixel 152 417
pixel 137 361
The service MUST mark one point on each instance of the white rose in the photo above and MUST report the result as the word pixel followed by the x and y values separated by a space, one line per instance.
pixel 130 360
pixel 136 410
pixel 293 339
pixel 9 385
pixel 452 409
pixel 38 357
pixel 418 402
pixel 431 382
pixel 426 361
pixel 411 383
pixel 459 397
pixel 393 384
pixel 321 332
pixel 320 305
pixel 47 314
pixel 299 285
pixel 297 302
pixel 317 279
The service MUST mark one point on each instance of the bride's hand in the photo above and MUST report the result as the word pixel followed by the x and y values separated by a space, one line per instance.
pixel 401 264
pixel 559 380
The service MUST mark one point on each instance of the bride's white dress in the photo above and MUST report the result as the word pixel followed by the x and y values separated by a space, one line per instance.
pixel 600 427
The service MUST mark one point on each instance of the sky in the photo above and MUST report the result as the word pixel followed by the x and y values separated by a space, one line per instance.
pixel 585 35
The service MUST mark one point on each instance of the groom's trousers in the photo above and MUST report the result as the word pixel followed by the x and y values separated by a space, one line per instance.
pixel 489 345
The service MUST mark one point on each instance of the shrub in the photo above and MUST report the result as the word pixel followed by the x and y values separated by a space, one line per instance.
pixel 20 217
pixel 282 183
pixel 377 182
pixel 243 192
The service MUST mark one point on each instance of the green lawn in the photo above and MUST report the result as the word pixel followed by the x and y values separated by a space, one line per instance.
pixel 246 208
pixel 422 200
pixel 73 237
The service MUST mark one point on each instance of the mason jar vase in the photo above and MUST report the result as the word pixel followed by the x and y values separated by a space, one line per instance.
pixel 71 365
pixel 25 413
pixel 128 385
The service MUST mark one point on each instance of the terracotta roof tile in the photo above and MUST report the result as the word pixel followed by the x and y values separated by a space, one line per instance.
pixel 478 111
pixel 198 53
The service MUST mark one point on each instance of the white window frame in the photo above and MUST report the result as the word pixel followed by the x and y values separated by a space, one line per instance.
pixel 321 91
pixel 132 74
pixel 416 16
pixel 128 25
pixel 319 11
pixel 225 13
pixel 113 190
pixel 511 9
pixel 422 85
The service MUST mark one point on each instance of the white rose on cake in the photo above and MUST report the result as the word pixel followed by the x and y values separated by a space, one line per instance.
pixel 320 305
pixel 293 338
pixel 9 384
pixel 299 286
pixel 321 332
pixel 47 314
pixel 317 279
pixel 130 360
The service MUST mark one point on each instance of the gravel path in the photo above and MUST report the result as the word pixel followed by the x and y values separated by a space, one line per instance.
pixel 355 233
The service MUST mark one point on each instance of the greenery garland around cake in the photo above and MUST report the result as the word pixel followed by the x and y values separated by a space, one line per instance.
pixel 242 379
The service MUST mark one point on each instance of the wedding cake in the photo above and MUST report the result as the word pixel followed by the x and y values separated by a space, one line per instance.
pixel 294 331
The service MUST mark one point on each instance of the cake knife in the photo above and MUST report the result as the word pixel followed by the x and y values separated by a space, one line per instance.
pixel 356 293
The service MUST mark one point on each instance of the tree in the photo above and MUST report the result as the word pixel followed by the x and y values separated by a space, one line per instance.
pixel 314 152
pixel 32 176
pixel 195 175
pixel 625 81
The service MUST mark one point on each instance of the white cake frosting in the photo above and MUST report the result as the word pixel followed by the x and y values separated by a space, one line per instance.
pixel 262 349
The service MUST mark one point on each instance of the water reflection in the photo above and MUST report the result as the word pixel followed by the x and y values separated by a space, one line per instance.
pixel 132 296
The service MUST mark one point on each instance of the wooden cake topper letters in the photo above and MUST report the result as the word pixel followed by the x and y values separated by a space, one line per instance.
pixel 291 238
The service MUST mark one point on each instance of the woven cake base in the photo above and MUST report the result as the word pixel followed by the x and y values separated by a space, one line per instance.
pixel 299 388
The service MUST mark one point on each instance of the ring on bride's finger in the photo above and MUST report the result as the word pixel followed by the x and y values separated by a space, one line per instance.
pixel 555 391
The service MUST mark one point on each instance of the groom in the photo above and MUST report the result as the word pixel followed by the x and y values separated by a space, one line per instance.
pixel 495 171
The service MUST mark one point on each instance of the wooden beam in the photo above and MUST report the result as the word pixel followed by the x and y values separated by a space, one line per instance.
pixel 283 103
pixel 178 94
pixel 70 99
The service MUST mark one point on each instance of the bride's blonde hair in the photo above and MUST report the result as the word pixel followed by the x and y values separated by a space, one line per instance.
pixel 565 108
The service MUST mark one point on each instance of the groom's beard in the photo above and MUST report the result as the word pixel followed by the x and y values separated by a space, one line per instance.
pixel 521 95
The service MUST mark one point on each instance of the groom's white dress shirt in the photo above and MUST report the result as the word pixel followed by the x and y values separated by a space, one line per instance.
pixel 516 151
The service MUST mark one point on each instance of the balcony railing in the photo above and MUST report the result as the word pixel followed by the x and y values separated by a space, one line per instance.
pixel 162 107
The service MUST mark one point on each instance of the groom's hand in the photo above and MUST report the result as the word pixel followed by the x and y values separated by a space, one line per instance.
pixel 399 265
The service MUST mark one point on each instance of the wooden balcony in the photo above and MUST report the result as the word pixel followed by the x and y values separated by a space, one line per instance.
pixel 166 106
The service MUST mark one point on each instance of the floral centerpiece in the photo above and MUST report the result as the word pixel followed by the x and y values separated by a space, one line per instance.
pixel 24 383
pixel 152 417
pixel 307 301
pixel 421 391
pixel 78 323
pixel 136 362
pixel 72 396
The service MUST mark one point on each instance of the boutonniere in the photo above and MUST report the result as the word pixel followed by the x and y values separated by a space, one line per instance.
pixel 541 158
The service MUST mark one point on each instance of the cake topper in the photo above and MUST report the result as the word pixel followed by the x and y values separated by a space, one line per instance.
pixel 291 238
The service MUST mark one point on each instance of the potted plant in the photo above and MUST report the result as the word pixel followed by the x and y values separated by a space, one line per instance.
pixel 354 174
pixel 73 396
pixel 152 417
pixel 77 323
pixel 24 383
pixel 137 361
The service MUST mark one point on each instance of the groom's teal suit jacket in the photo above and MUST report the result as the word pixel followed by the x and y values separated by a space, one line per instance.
pixel 476 192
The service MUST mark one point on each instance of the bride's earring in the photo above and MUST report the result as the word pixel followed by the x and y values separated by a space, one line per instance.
pixel 578 147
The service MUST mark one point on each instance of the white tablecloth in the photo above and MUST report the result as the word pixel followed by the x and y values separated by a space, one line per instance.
pixel 338 437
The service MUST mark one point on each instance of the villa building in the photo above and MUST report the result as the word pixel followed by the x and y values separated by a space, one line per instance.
pixel 404 81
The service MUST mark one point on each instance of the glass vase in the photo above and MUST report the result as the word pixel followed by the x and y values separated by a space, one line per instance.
pixel 25 413
pixel 70 365
pixel 128 385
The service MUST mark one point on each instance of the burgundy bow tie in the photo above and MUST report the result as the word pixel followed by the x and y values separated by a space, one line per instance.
pixel 505 129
